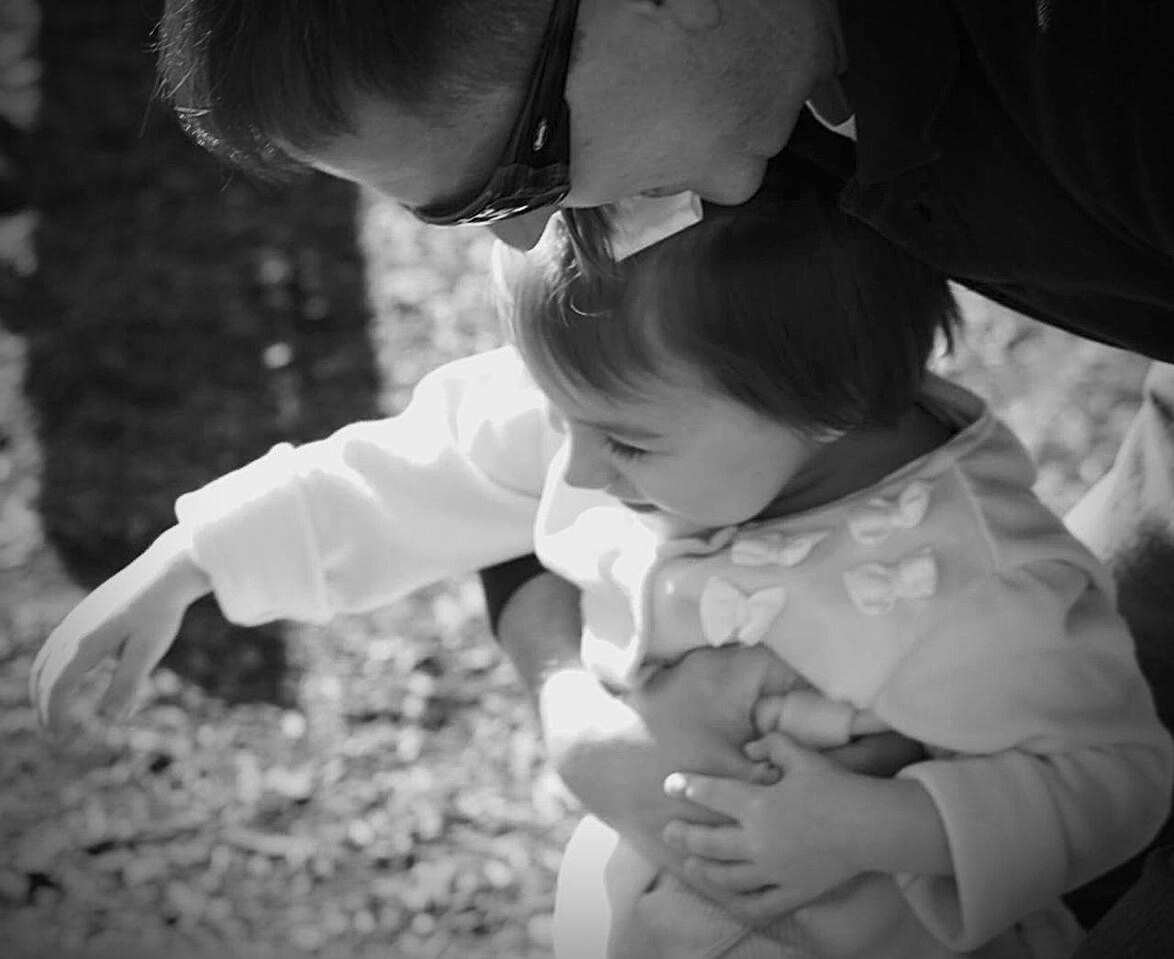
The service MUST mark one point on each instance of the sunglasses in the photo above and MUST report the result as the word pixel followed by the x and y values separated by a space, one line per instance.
pixel 535 168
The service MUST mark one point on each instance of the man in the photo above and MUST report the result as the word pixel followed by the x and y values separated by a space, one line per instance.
pixel 1020 146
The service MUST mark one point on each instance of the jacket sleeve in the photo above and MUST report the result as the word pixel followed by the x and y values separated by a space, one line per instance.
pixel 1065 770
pixel 379 508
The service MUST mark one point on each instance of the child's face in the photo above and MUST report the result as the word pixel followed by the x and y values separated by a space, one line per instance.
pixel 683 450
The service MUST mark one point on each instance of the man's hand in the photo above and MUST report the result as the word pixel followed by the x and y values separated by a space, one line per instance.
pixel 614 754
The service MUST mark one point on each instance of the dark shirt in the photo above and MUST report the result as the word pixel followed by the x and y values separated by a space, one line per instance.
pixel 1024 148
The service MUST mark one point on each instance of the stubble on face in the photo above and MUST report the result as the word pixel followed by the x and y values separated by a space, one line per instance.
pixel 659 105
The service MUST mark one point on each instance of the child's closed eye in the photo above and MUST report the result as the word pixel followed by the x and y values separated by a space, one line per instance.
pixel 623 450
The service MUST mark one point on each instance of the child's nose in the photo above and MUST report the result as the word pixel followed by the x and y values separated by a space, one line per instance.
pixel 587 468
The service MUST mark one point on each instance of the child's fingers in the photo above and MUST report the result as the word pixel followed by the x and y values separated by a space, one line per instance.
pixel 767 712
pixel 140 655
pixel 763 773
pixel 725 843
pixel 741 877
pixel 727 796
pixel 67 656
pixel 758 750
pixel 779 750
pixel 762 906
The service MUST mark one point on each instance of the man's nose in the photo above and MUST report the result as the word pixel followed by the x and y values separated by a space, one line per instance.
pixel 587 468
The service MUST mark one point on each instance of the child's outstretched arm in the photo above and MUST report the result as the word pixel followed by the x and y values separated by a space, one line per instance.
pixel 342 524
pixel 133 616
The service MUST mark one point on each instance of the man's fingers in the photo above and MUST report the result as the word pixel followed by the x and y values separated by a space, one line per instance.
pixel 727 796
pixel 709 842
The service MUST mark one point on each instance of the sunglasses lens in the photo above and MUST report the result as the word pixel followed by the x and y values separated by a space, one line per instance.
pixel 511 192
pixel 535 167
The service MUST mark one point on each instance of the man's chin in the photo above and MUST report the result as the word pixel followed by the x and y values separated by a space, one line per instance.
pixel 735 193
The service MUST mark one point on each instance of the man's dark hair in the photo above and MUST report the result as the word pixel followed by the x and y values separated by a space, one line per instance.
pixel 247 76
pixel 785 304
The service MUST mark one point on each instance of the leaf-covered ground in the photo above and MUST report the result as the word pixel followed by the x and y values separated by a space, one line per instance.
pixel 372 788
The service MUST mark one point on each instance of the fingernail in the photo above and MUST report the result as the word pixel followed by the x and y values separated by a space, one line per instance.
pixel 671 834
pixel 674 784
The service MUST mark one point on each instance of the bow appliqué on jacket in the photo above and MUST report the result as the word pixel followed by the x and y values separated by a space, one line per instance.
pixel 873 522
pixel 729 615
pixel 772 547
pixel 875 588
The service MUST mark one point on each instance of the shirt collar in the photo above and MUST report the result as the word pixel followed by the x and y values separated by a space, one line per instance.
pixel 902 64
pixel 845 128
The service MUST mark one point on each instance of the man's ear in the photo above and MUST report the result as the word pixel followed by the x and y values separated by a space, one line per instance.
pixel 693 16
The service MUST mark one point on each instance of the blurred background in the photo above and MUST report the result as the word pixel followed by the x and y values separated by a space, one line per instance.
pixel 373 788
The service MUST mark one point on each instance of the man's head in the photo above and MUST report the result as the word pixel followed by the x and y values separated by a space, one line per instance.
pixel 417 99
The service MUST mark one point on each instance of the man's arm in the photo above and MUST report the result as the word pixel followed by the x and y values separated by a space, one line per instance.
pixel 614 754
pixel 610 751
pixel 600 746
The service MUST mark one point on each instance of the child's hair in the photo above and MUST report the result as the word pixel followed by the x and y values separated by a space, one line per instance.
pixel 785 304
pixel 247 77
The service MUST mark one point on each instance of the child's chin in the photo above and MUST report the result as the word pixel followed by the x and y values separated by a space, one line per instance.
pixel 672 525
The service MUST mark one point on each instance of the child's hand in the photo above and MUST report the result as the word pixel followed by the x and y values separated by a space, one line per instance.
pixel 134 616
pixel 789 843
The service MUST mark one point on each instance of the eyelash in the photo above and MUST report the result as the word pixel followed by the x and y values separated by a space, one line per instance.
pixel 623 450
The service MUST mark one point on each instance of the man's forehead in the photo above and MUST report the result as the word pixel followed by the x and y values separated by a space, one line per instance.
pixel 420 158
